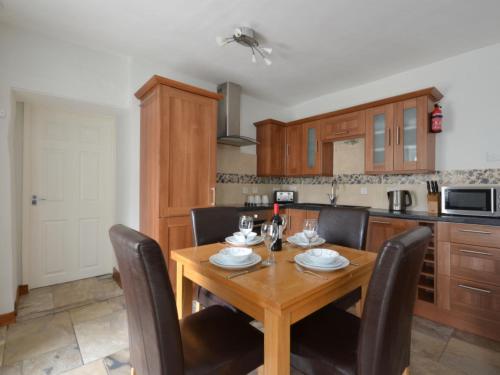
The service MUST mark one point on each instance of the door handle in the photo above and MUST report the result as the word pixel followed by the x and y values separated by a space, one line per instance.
pixel 342 132
pixel 397 135
pixel 35 199
pixel 213 195
pixel 380 222
pixel 473 231
pixel 475 252
pixel 389 137
pixel 474 289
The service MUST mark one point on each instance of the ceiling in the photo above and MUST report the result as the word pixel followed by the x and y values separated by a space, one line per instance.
pixel 318 46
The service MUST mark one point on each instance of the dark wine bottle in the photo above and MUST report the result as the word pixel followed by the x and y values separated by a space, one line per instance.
pixel 279 223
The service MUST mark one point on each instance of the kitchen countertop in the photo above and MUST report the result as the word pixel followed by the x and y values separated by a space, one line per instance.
pixel 379 212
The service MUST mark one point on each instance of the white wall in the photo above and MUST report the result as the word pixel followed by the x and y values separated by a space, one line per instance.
pixel 470 84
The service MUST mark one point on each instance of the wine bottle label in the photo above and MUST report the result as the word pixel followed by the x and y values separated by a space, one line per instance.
pixel 280 232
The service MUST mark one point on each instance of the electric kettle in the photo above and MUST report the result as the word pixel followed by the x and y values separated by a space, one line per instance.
pixel 399 200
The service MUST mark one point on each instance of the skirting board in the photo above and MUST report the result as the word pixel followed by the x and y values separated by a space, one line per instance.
pixel 10 318
pixel 116 277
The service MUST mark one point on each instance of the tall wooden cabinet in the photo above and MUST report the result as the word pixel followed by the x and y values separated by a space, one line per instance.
pixel 294 150
pixel 271 143
pixel 178 160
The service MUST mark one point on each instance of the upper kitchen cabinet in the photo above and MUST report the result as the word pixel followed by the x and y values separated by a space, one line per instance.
pixel 271 138
pixel 311 154
pixel 349 125
pixel 398 139
pixel 295 145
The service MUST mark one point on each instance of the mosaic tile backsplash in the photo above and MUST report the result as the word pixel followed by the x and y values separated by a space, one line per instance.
pixel 451 177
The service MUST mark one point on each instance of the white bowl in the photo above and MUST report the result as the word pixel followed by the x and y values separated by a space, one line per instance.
pixel 236 254
pixel 321 256
pixel 241 237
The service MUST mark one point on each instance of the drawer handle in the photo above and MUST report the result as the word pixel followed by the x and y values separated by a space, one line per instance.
pixel 342 132
pixel 473 231
pixel 380 222
pixel 475 252
pixel 474 289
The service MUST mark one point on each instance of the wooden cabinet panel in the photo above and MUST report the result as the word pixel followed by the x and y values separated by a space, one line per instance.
pixel 296 219
pixel 476 263
pixel 379 144
pixel 312 214
pixel 480 235
pixel 311 154
pixel 476 299
pixel 294 150
pixel 188 159
pixel 343 126
pixel 175 233
pixel 271 138
pixel 380 229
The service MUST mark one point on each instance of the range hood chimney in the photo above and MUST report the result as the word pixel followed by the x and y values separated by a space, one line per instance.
pixel 228 121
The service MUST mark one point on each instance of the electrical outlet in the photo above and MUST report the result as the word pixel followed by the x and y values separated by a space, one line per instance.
pixel 2 113
pixel 363 191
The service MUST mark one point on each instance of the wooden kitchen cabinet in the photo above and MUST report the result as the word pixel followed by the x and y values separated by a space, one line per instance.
pixel 178 159
pixel 296 219
pixel 398 139
pixel 380 229
pixel 294 150
pixel 349 125
pixel 271 144
pixel 311 154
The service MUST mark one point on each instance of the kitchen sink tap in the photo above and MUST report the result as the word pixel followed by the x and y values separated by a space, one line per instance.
pixel 333 194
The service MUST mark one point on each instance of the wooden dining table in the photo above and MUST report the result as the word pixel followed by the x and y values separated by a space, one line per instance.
pixel 277 295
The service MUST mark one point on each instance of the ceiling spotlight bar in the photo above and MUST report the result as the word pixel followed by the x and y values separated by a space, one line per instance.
pixel 245 36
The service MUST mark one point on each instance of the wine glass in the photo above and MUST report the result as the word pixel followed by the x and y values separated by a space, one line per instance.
pixel 269 232
pixel 246 225
pixel 310 229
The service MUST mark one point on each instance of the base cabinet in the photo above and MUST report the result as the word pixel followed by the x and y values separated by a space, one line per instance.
pixel 296 219
pixel 380 229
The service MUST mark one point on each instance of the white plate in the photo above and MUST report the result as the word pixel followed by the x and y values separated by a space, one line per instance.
pixel 253 260
pixel 233 241
pixel 341 263
pixel 317 242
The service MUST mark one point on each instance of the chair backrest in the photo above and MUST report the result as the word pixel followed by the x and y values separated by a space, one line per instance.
pixel 213 224
pixel 344 226
pixel 385 334
pixel 155 339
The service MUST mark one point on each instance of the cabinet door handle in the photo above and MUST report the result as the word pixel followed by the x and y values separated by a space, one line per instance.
pixel 389 137
pixel 380 222
pixel 473 231
pixel 397 135
pixel 474 289
pixel 213 195
pixel 475 252
pixel 342 132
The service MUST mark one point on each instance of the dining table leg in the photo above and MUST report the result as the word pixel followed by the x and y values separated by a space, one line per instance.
pixel 276 343
pixel 361 303
pixel 184 293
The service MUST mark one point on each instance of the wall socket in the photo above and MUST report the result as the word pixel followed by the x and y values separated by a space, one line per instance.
pixel 363 191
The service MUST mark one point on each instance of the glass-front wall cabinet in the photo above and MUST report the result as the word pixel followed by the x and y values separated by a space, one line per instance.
pixel 379 144
pixel 312 161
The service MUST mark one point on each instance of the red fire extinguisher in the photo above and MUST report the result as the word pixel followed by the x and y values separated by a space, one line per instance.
pixel 437 119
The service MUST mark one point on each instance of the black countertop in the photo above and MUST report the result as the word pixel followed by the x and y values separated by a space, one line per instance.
pixel 378 212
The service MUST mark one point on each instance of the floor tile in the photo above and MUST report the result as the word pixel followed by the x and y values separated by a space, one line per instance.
pixel 421 365
pixel 431 328
pixel 36 302
pixel 74 293
pixel 55 362
pixel 118 363
pixel 37 336
pixel 94 311
pixel 93 368
pixel 428 346
pixel 103 336
pixel 3 332
pixel 105 288
pixel 471 359
pixel 15 369
pixel 477 340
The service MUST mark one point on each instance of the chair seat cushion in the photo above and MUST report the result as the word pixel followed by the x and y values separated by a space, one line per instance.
pixel 218 341
pixel 326 342
pixel 348 300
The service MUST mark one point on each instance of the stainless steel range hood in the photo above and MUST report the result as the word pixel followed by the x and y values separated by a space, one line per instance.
pixel 228 121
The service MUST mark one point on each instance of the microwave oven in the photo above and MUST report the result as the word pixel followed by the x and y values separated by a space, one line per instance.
pixel 472 200
pixel 285 196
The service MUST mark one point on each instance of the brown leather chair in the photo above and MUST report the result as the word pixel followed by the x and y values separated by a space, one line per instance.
pixel 344 227
pixel 379 343
pixel 213 341
pixel 213 224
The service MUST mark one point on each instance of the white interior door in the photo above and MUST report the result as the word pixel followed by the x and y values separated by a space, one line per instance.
pixel 70 162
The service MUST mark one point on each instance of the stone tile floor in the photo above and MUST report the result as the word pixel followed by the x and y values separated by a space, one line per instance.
pixel 80 328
